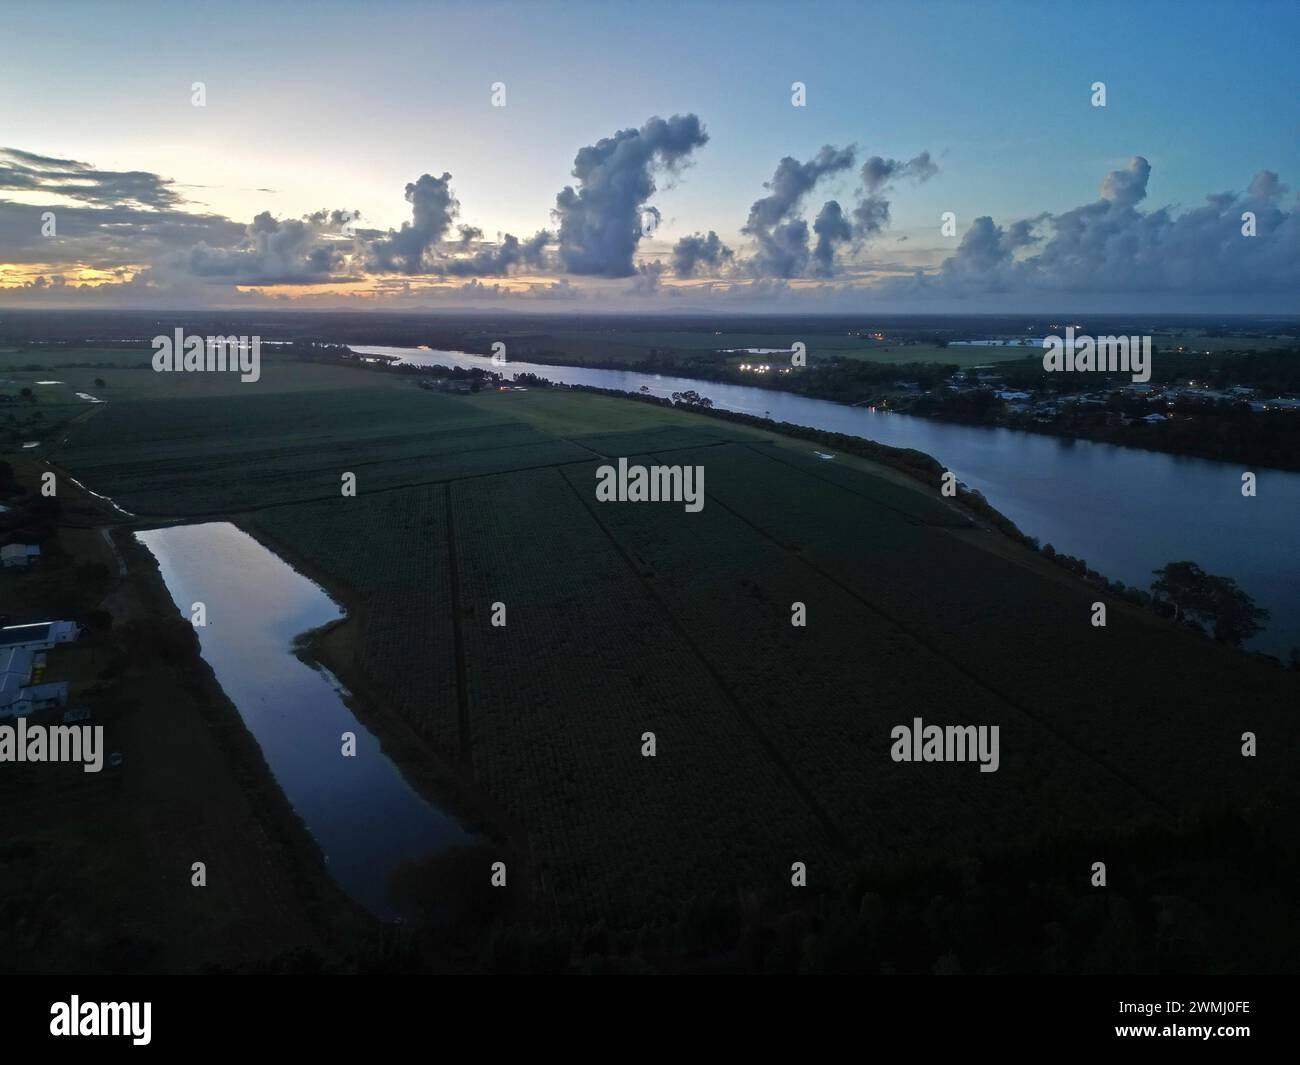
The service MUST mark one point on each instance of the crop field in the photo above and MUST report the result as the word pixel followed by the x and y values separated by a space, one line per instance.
pixel 964 356
pixel 633 347
pixel 128 374
pixel 184 456
pixel 1098 687
pixel 772 740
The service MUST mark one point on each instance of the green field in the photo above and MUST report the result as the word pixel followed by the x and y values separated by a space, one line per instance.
pixel 634 347
pixel 961 355
pixel 773 741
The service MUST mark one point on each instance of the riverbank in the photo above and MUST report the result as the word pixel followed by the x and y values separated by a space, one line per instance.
pixel 444 783
pixel 1119 511
pixel 98 872
pixel 850 382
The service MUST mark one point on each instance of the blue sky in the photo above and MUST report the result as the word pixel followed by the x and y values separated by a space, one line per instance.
pixel 341 105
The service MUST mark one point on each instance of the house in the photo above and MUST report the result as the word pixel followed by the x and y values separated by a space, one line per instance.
pixel 38 636
pixel 18 696
pixel 19 554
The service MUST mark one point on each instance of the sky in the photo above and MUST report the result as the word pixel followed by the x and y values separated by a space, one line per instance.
pixel 340 149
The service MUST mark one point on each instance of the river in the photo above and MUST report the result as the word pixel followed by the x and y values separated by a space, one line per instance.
pixel 256 608
pixel 1124 510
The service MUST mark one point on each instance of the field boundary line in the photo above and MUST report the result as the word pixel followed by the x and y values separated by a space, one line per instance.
pixel 228 511
pixel 457 636
pixel 833 833
pixel 964 671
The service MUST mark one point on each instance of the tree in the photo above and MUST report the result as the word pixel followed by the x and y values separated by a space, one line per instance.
pixel 1201 598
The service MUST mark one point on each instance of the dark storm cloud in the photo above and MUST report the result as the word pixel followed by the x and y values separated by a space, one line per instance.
pixel 433 209
pixel 600 220
pixel 695 251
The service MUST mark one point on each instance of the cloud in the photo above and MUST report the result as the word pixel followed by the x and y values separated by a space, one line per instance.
pixel 1128 186
pixel 646 282
pixel 781 237
pixel 119 221
pixel 878 172
pixel 294 251
pixel 691 253
pixel 832 228
pixel 127 237
pixel 433 209
pixel 600 220
pixel 871 214
pixel 1109 246
pixel 27 172
pixel 497 260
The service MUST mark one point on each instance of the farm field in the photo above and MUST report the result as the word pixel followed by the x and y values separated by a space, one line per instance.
pixel 128 374
pixel 961 355
pixel 632 348
pixel 624 618
pixel 773 741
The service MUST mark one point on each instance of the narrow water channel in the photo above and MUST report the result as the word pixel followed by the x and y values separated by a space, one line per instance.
pixel 364 815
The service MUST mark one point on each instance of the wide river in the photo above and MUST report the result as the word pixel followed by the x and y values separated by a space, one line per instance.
pixel 366 818
pixel 1124 510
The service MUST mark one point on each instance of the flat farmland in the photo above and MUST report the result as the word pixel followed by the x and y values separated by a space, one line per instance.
pixel 626 618
pixel 216 454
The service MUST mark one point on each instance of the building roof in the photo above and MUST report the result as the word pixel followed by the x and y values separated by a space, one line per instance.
pixel 15 670
pixel 34 633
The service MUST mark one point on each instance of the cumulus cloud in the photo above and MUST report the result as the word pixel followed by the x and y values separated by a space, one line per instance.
pixel 600 221
pixel 871 214
pixel 696 251
pixel 497 260
pixel 1110 246
pixel 832 228
pixel 646 280
pixel 780 236
pixel 418 247
pixel 294 251
pixel 878 172
pixel 145 244
pixel 433 209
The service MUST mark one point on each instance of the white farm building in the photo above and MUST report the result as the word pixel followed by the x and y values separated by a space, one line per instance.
pixel 18 696
pixel 38 636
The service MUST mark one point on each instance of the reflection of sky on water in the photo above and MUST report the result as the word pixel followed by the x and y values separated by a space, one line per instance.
pixel 364 815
